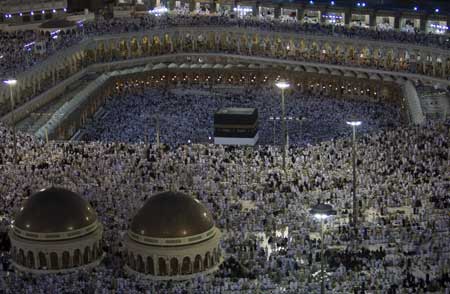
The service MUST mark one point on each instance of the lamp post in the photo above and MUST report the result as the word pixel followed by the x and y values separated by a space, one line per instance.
pixel 354 124
pixel 272 118
pixel 289 118
pixel 157 129
pixel 283 85
pixel 321 212
pixel 11 83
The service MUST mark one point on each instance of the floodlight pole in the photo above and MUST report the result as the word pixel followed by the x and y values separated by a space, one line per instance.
pixel 322 262
pixel 157 131
pixel 283 117
pixel 321 212
pixel 13 123
pixel 355 203
pixel 273 132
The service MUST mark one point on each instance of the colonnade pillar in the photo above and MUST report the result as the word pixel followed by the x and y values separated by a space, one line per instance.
pixel 191 5
pixel 372 20
pixel 277 12
pixel 397 21
pixel 59 260
pixel 151 4
pixel 213 7
pixel 171 5
pixel 347 16
pixel 300 13
pixel 423 24
pixel 322 18
pixel 448 21
pixel 36 259
pixel 255 10
pixel 48 260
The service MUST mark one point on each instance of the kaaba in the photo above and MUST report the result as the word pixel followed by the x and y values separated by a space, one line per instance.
pixel 236 126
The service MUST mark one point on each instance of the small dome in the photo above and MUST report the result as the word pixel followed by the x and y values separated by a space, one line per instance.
pixel 55 210
pixel 171 215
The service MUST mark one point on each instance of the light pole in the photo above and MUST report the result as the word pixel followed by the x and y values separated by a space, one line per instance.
pixel 276 120
pixel 11 83
pixel 300 120
pixel 157 129
pixel 283 85
pixel 354 124
pixel 289 118
pixel 321 212
pixel 273 129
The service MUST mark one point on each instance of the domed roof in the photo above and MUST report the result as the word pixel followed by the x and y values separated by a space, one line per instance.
pixel 54 210
pixel 171 215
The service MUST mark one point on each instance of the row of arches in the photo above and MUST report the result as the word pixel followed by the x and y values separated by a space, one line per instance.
pixel 55 260
pixel 379 55
pixel 290 46
pixel 173 266
pixel 304 82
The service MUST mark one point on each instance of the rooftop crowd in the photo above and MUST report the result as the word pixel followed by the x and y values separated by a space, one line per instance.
pixel 18 47
pixel 270 240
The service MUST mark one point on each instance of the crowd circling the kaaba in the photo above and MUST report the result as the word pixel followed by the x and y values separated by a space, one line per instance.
pixel 186 115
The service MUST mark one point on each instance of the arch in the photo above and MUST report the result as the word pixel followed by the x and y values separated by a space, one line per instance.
pixel 42 260
pixel 76 257
pixel 140 266
pixel 14 253
pixel 123 47
pixel 144 43
pixel 150 266
pixel 132 261
pixel 134 45
pixel 21 257
pixel 54 260
pixel 206 263
pixel 162 267
pixel 186 266
pixel 197 264
pixel 167 41
pixel 30 259
pixel 87 255
pixel 65 260
pixel 94 251
pixel 174 266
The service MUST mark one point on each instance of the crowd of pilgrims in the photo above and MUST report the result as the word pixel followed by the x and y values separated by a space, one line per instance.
pixel 271 243
pixel 17 52
pixel 136 113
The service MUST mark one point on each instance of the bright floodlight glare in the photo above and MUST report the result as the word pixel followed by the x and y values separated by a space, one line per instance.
pixel 10 82
pixel 282 84
pixel 322 211
pixel 354 123
pixel 321 216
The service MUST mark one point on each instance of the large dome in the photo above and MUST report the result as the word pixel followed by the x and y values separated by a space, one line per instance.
pixel 55 210
pixel 171 215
